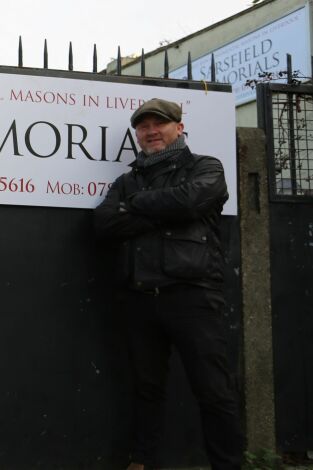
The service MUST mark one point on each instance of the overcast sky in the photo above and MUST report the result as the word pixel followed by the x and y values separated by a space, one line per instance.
pixel 132 25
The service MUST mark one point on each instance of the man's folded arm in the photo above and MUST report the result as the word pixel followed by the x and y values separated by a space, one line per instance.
pixel 189 200
pixel 113 220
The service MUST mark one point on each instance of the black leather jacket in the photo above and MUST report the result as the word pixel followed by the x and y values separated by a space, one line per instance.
pixel 166 220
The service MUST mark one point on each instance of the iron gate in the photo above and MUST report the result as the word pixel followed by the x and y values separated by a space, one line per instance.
pixel 285 111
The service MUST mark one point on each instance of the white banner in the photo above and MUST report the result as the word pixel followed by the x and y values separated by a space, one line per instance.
pixel 63 141
pixel 262 51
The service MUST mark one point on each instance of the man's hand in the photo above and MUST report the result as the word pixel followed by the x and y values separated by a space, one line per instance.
pixel 122 207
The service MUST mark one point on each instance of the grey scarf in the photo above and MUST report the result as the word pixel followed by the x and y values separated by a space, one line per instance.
pixel 171 150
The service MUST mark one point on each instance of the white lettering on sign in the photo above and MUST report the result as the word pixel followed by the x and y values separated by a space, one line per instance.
pixel 256 53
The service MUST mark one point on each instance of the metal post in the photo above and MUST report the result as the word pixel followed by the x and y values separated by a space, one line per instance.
pixel 189 67
pixel 20 52
pixel 261 104
pixel 213 78
pixel 289 69
pixel 165 64
pixel 45 55
pixel 118 62
pixel 95 60
pixel 70 57
pixel 292 147
pixel 143 64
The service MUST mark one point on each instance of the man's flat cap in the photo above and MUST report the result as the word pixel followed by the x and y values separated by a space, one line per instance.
pixel 166 109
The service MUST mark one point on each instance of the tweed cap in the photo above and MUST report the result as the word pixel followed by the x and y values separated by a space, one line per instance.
pixel 166 109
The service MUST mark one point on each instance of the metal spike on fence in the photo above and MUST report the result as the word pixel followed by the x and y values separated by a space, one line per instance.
pixel 20 52
pixel 95 59
pixel 189 67
pixel 70 57
pixel 166 64
pixel 289 69
pixel 143 64
pixel 213 78
pixel 118 62
pixel 45 55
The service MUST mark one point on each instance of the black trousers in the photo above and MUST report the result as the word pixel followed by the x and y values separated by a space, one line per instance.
pixel 190 319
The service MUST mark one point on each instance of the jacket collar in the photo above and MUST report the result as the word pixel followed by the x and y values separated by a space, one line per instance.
pixel 182 158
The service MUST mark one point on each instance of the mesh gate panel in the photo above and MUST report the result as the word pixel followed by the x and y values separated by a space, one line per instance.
pixel 293 143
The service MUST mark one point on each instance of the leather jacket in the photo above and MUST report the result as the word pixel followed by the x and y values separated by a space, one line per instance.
pixel 165 219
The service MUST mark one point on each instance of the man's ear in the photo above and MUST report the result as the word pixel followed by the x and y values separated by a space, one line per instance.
pixel 180 128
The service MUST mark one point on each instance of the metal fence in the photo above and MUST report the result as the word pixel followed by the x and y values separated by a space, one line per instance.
pixel 285 111
pixel 118 70
pixel 293 142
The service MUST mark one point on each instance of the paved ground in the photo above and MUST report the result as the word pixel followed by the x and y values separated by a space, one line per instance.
pixel 308 466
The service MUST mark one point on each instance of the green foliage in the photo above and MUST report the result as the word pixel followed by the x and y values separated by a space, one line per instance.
pixel 263 459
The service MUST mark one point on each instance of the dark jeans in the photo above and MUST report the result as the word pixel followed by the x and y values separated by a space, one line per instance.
pixel 189 318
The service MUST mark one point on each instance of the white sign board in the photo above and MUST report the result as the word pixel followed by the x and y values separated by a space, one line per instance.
pixel 63 141
pixel 264 50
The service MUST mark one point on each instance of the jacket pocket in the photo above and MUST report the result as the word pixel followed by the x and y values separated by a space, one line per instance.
pixel 185 255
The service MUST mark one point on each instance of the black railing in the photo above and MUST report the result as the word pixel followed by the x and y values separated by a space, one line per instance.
pixel 285 112
pixel 119 59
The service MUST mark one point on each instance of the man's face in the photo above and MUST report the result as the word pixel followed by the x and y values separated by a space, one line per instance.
pixel 155 133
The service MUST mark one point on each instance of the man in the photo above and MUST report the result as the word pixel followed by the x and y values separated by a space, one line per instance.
pixel 165 213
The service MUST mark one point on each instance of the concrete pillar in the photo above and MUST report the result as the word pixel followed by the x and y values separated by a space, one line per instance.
pixel 256 291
